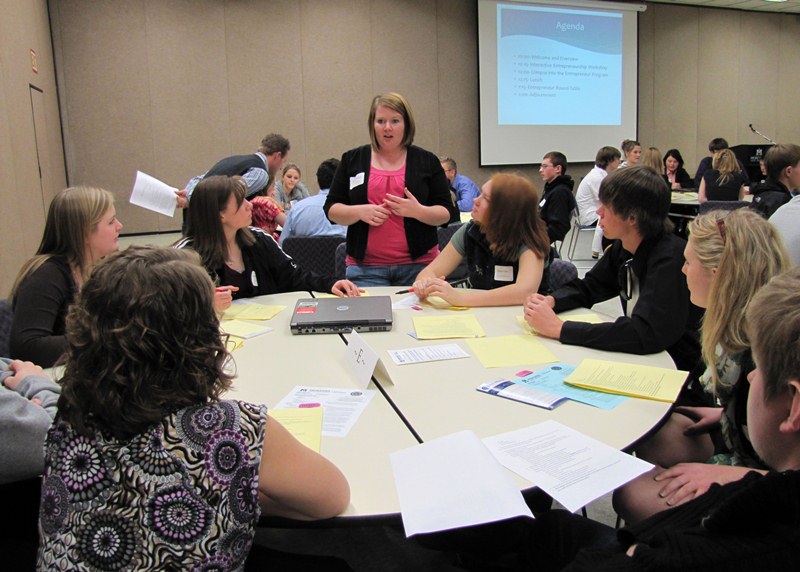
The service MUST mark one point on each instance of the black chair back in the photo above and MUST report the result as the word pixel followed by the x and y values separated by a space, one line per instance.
pixel 315 253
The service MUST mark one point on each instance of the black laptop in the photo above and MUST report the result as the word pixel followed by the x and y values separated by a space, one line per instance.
pixel 342 315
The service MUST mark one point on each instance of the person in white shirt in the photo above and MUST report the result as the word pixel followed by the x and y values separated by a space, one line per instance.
pixel 588 195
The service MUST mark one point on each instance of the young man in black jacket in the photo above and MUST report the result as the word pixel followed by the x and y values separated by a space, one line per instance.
pixel 642 267
pixel 557 202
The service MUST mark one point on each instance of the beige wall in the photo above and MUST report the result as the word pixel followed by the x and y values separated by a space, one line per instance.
pixel 23 194
pixel 170 86
pixel 707 73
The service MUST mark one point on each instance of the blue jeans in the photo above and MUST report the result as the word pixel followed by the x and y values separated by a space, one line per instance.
pixel 400 275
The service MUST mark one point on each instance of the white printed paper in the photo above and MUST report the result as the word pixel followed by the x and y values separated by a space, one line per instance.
pixel 452 482
pixel 361 358
pixel 342 407
pixel 427 354
pixel 572 468
pixel 152 194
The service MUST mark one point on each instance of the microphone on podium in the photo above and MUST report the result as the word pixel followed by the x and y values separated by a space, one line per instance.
pixel 757 132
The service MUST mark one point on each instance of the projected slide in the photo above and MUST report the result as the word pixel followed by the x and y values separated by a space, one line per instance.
pixel 558 66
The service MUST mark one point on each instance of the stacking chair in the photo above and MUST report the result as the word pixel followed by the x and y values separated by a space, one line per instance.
pixel 314 253
pixel 574 236
pixel 561 272
pixel 339 261
pixel 445 234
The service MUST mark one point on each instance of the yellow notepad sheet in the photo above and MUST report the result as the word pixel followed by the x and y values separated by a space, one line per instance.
pixel 687 196
pixel 507 351
pixel 251 312
pixel 643 381
pixel 441 304
pixel 588 318
pixel 244 330
pixel 304 423
pixel 442 327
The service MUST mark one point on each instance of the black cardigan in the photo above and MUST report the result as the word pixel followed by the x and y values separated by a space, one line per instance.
pixel 425 179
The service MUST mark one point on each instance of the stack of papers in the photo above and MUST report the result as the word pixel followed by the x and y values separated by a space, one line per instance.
pixel 244 330
pixel 643 381
pixel 521 393
pixel 571 467
pixel 551 380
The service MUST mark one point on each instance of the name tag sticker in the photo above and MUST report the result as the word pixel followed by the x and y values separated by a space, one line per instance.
pixel 504 273
pixel 357 180
pixel 541 203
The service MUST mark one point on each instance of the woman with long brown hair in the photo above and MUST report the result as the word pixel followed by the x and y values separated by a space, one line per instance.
pixel 505 245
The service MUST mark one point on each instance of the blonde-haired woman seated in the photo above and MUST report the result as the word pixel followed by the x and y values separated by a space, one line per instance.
pixel 81 228
pixel 505 245
pixel 730 256
pixel 724 181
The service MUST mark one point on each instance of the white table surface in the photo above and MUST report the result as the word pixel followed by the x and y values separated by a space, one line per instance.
pixel 436 398
pixel 270 365
pixel 440 398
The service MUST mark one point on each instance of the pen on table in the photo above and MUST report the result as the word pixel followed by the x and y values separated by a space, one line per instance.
pixel 451 282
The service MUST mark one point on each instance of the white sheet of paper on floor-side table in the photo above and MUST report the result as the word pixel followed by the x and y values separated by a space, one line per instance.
pixel 452 482
pixel 152 194
pixel 571 467
pixel 425 354
pixel 341 407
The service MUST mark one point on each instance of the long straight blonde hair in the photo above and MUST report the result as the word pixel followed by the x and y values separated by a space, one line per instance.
pixel 747 251
pixel 73 214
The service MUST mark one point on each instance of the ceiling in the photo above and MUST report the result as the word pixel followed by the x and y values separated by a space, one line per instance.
pixel 788 7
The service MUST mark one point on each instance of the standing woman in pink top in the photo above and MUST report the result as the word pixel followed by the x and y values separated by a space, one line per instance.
pixel 391 195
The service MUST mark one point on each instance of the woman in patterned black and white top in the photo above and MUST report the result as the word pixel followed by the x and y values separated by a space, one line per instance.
pixel 146 468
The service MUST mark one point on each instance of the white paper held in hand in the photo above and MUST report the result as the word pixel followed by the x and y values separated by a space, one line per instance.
pixel 152 194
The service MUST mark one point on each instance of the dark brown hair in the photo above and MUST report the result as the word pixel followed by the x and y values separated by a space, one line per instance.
pixel 143 342
pixel 209 199
pixel 641 193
